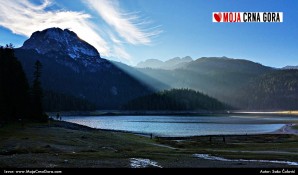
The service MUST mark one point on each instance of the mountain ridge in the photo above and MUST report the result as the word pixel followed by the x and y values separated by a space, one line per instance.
pixel 59 39
pixel 290 67
pixel 109 84
pixel 56 43
pixel 170 64
pixel 219 77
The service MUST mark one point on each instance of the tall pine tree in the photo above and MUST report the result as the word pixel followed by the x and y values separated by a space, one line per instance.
pixel 37 94
pixel 14 87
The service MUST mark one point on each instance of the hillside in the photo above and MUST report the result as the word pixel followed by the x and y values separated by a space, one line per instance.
pixel 175 100
pixel 55 102
pixel 219 77
pixel 107 88
pixel 75 68
pixel 240 83
pixel 276 90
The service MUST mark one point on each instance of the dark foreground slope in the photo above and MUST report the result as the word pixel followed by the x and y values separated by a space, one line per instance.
pixel 108 87
pixel 73 67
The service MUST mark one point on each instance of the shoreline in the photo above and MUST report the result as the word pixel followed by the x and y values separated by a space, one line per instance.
pixel 171 113
pixel 66 144
pixel 287 129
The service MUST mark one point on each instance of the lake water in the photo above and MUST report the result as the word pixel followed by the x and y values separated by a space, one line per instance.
pixel 175 126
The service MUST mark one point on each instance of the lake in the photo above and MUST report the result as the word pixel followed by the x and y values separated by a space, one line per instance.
pixel 181 126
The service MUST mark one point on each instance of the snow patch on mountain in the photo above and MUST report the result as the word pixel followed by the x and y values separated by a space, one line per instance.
pixel 56 39
pixel 66 46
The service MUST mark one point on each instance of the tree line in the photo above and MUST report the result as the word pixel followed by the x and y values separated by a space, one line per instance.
pixel 175 100
pixel 19 100
pixel 277 90
pixel 55 102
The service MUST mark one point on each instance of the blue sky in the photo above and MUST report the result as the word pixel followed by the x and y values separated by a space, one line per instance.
pixel 131 31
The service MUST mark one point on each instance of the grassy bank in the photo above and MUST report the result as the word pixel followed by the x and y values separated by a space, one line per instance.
pixel 269 146
pixel 295 127
pixel 66 145
pixel 62 144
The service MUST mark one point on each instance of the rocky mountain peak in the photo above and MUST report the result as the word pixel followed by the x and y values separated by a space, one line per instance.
pixel 66 48
pixel 64 42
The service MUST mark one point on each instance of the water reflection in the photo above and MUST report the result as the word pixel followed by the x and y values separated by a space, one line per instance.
pixel 184 125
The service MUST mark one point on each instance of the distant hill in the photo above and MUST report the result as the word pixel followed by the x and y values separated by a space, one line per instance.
pixel 276 90
pixel 211 65
pixel 170 64
pixel 219 77
pixel 174 100
pixel 239 83
pixel 290 67
pixel 150 63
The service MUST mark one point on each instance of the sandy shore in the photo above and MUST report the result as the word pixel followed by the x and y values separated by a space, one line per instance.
pixel 287 129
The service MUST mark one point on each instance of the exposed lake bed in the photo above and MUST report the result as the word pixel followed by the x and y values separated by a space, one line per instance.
pixel 64 144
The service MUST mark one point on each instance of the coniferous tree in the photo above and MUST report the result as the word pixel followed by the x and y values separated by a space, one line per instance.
pixel 14 86
pixel 54 102
pixel 37 93
pixel 175 100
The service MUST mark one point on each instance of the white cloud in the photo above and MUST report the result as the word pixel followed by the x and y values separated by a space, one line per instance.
pixel 128 26
pixel 23 17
